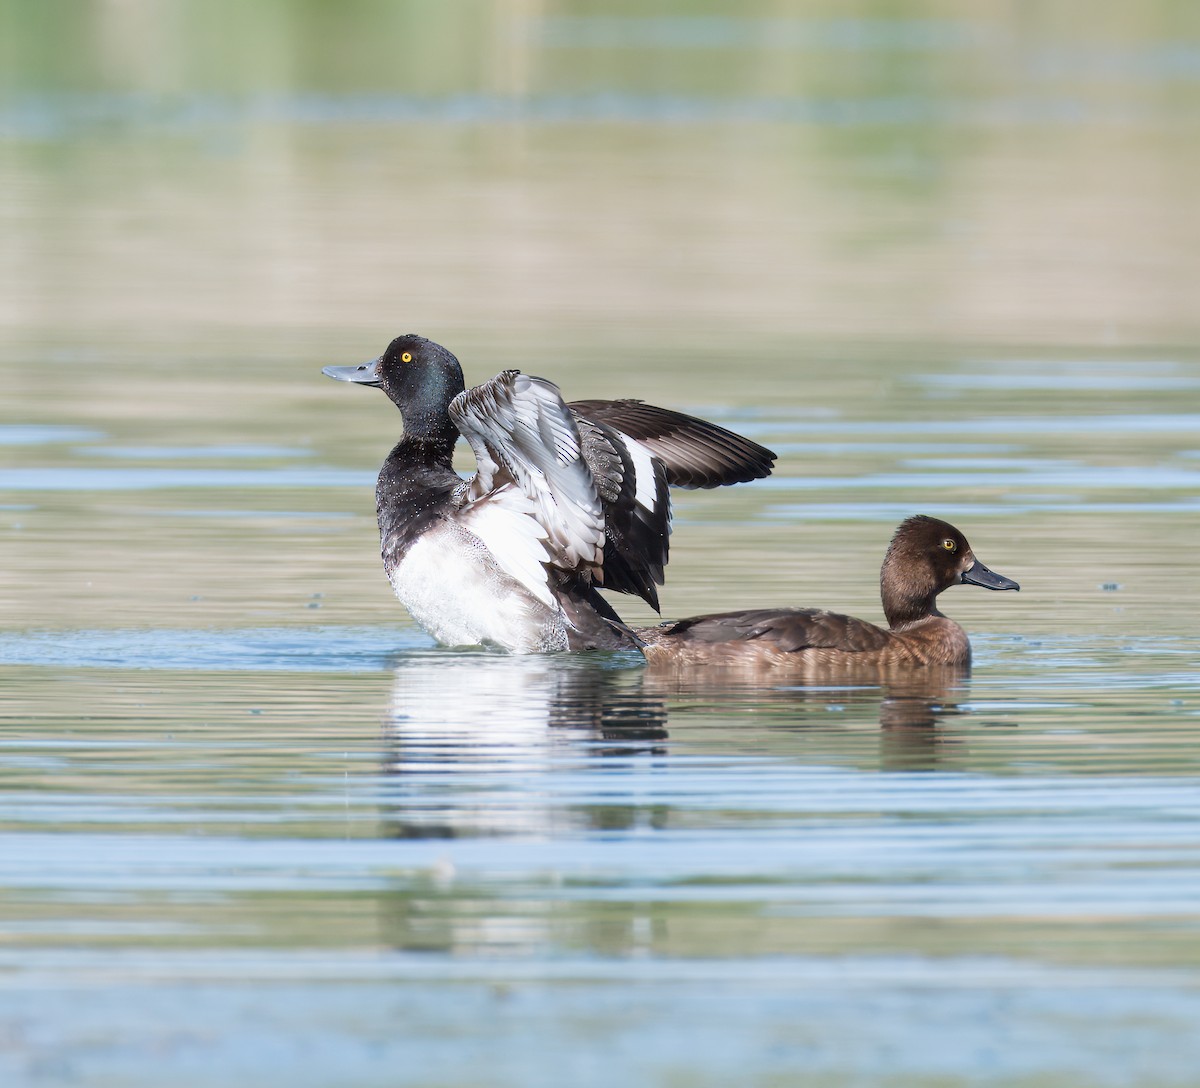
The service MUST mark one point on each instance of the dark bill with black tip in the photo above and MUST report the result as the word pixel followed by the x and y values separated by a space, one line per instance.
pixel 979 575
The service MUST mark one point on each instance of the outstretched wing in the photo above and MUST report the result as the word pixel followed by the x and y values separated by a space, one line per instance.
pixel 696 453
pixel 592 477
pixel 790 630
pixel 524 436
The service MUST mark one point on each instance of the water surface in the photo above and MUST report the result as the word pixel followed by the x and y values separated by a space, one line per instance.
pixel 254 827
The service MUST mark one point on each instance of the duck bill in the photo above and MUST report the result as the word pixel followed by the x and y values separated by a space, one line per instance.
pixel 363 374
pixel 978 575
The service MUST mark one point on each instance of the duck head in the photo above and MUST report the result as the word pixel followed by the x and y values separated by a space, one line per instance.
pixel 420 377
pixel 925 557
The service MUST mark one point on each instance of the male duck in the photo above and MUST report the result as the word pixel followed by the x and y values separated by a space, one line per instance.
pixel 567 497
pixel 925 557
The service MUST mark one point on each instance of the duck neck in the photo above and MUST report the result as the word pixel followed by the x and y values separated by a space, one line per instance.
pixel 426 449
pixel 905 612
pixel 428 439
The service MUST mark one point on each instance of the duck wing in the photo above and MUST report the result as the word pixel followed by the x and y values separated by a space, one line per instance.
pixel 582 487
pixel 790 630
pixel 696 453
pixel 632 484
pixel 534 499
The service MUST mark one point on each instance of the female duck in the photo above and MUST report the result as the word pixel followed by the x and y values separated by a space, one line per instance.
pixel 567 497
pixel 925 557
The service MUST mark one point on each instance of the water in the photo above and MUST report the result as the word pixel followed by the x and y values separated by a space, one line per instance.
pixel 255 828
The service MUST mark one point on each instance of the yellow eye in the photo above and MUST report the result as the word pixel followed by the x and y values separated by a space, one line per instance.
pixel 406 357
pixel 949 544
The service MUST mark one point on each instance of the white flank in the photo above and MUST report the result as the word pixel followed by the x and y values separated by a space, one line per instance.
pixel 452 590
pixel 643 471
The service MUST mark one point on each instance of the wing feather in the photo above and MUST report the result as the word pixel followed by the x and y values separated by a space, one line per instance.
pixel 519 426
pixel 507 525
pixel 637 510
pixel 582 488
pixel 696 453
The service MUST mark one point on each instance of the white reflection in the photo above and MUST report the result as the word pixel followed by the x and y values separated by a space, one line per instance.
pixel 486 744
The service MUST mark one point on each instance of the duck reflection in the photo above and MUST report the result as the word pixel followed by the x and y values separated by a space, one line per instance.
pixel 480 742
pixel 911 716
pixel 485 744
pixel 909 705
pixel 556 749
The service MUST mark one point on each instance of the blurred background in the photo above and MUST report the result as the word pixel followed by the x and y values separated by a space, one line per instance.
pixel 948 173
pixel 789 215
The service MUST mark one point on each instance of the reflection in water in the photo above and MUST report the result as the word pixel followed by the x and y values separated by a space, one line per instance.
pixel 571 747
pixel 910 714
pixel 484 744
pixel 497 745
pixel 505 724
pixel 908 705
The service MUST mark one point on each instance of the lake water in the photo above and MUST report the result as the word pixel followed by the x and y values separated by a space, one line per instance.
pixel 255 828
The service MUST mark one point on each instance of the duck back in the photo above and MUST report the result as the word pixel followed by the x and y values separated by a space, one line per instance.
pixel 805 639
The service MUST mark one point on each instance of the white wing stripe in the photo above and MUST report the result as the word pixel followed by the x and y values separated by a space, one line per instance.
pixel 643 471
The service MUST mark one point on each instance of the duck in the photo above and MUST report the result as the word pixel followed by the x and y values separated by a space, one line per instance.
pixel 925 557
pixel 566 499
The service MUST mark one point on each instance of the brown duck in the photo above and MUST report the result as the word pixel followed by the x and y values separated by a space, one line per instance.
pixel 925 557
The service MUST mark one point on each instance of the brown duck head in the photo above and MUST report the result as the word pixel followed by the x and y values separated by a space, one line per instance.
pixel 925 557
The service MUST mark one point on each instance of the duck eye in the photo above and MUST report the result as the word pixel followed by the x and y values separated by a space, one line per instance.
pixel 949 544
pixel 406 357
